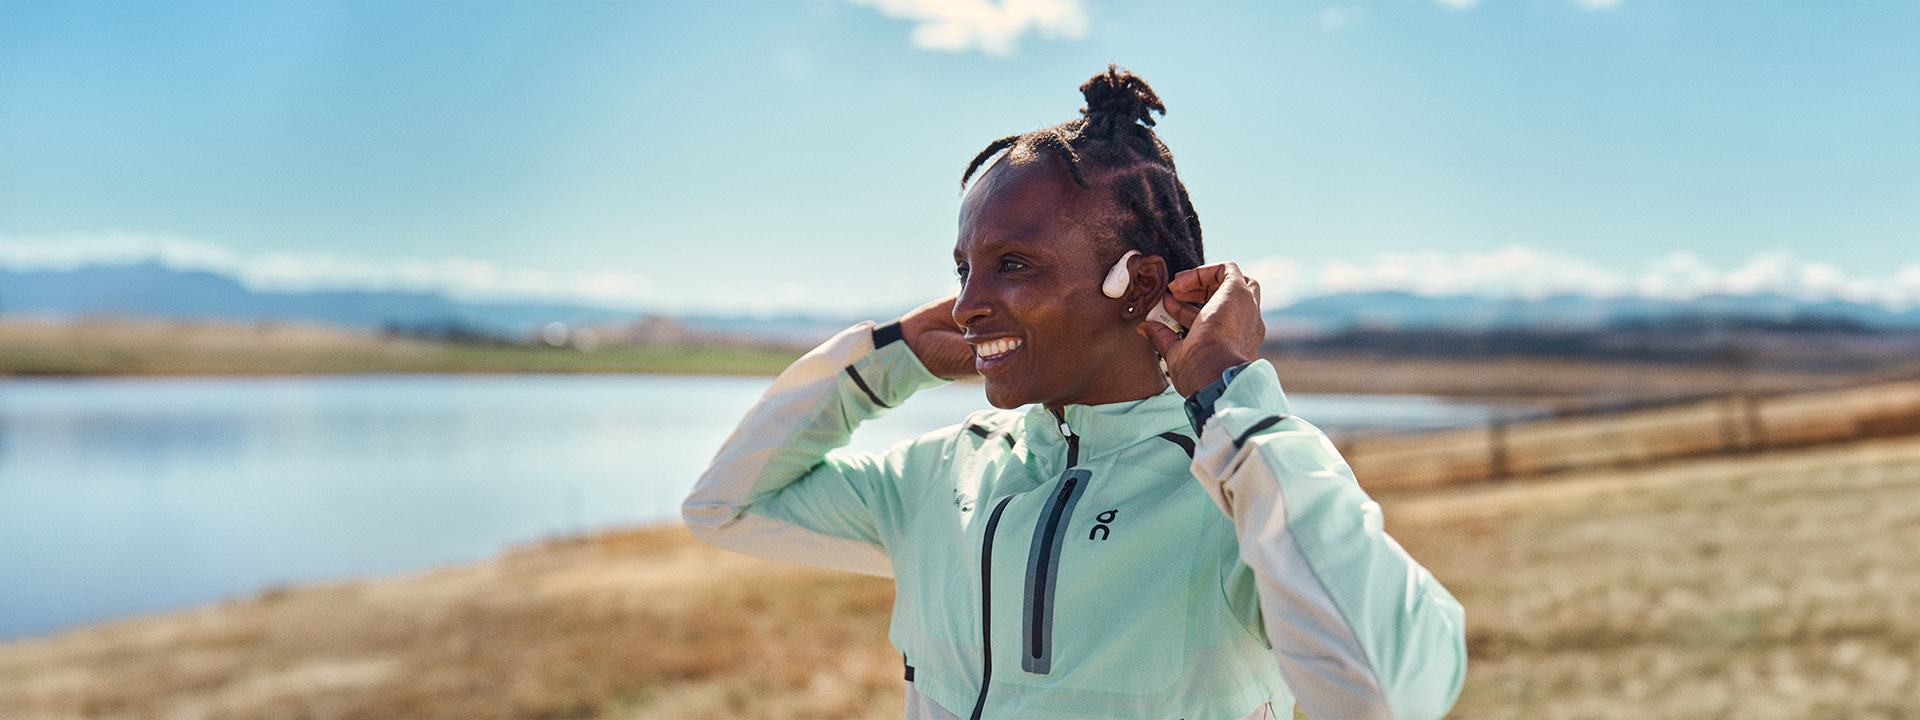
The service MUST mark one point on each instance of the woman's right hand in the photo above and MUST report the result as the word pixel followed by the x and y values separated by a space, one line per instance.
pixel 936 339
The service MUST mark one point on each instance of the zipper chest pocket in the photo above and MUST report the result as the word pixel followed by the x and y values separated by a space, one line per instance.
pixel 1050 533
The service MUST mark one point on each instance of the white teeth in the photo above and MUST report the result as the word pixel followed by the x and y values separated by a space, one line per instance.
pixel 992 348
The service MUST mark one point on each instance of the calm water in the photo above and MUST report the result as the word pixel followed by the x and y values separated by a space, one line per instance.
pixel 122 496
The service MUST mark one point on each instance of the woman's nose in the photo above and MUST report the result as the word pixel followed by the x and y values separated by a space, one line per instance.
pixel 971 306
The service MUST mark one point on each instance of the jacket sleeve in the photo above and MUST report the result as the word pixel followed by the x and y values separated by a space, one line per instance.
pixel 773 492
pixel 1360 629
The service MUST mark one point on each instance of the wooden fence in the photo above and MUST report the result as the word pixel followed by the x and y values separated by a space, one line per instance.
pixel 1635 437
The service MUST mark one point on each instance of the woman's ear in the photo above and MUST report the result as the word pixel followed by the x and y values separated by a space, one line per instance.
pixel 1147 283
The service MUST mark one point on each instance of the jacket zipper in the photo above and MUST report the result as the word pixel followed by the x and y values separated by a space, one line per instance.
pixel 1043 572
pixel 1064 499
pixel 1043 558
pixel 986 606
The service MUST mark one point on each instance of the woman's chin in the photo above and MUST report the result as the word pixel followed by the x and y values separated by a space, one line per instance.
pixel 1002 394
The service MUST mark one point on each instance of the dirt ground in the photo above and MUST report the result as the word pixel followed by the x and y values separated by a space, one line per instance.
pixel 1773 585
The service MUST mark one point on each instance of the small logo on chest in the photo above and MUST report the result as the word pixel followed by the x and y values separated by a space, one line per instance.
pixel 1100 532
pixel 963 500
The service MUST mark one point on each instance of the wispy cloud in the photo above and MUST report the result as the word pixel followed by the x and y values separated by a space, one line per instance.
pixel 1586 4
pixel 990 27
pixel 1531 274
pixel 463 278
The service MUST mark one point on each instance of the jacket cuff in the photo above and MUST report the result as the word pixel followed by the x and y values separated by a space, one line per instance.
pixel 1252 402
pixel 891 373
pixel 1199 406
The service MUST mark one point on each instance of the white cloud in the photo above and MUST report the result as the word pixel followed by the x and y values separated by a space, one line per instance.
pixel 66 252
pixel 991 27
pixel 458 277
pixel 1460 4
pixel 1334 19
pixel 1526 273
pixel 1516 271
pixel 1597 4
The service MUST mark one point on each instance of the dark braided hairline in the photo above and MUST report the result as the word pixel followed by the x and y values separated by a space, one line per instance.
pixel 1054 138
pixel 1140 175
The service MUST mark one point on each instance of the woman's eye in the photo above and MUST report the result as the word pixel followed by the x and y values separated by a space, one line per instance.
pixel 1010 264
pixel 960 271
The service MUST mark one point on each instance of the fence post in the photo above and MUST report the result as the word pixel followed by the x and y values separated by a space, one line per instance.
pixel 1756 435
pixel 1730 423
pixel 1497 447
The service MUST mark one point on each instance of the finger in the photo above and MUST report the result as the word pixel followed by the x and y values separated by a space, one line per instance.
pixel 1165 340
pixel 1255 284
pixel 1202 280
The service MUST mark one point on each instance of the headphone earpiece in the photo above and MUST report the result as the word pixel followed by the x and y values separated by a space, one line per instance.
pixel 1116 282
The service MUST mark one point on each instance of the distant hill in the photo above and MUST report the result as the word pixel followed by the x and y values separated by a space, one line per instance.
pixel 1705 329
pixel 150 290
pixel 1750 333
pixel 1396 311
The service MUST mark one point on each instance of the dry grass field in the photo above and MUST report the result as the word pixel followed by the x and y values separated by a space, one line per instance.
pixel 153 348
pixel 643 623
pixel 1770 585
pixel 1780 585
pixel 1575 383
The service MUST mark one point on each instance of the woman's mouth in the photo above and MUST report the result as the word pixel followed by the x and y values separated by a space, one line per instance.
pixel 992 352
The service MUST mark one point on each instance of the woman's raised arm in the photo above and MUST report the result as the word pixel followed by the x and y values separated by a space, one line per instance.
pixel 773 492
pixel 1360 629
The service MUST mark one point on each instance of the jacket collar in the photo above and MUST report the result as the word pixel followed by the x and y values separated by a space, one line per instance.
pixel 1106 428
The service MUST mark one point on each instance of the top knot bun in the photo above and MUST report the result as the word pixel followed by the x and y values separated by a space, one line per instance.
pixel 1121 93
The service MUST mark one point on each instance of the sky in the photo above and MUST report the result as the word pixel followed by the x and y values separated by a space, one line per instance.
pixel 762 157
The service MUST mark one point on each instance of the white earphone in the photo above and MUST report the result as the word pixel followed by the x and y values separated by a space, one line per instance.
pixel 1116 282
pixel 1116 285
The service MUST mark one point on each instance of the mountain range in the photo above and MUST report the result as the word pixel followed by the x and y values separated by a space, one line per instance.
pixel 150 290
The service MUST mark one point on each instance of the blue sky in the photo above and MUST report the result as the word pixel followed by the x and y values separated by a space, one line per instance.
pixel 805 155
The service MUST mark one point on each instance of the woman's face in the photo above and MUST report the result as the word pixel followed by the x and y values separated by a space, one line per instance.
pixel 1030 298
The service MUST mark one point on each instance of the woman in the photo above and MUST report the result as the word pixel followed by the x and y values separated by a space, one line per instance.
pixel 1122 548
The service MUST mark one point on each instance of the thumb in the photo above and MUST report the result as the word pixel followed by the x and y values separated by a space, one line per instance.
pixel 1164 339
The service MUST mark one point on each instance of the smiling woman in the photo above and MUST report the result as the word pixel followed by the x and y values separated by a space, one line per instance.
pixel 1133 544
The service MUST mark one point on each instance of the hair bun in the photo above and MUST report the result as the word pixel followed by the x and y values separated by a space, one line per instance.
pixel 1121 93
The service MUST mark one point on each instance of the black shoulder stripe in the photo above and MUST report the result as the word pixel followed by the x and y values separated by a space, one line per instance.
pixel 979 430
pixel 857 380
pixel 1185 443
pixel 1270 421
pixel 886 335
pixel 1009 438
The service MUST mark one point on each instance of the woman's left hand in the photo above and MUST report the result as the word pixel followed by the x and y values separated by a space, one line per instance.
pixel 1226 331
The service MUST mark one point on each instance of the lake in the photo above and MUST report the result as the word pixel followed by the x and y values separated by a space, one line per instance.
pixel 131 495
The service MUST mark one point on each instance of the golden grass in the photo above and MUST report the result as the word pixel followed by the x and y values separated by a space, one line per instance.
pixel 147 348
pixel 636 624
pixel 1772 585
pixel 1634 438
pixel 1769 586
pixel 1572 381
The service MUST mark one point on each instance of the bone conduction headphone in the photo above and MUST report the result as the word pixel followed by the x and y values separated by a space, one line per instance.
pixel 1116 285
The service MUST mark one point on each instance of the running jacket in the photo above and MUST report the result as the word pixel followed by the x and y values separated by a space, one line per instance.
pixel 1107 561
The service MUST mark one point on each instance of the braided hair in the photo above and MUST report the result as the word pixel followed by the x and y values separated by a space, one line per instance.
pixel 1114 143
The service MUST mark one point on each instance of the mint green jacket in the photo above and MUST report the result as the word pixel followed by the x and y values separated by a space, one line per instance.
pixel 1108 561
